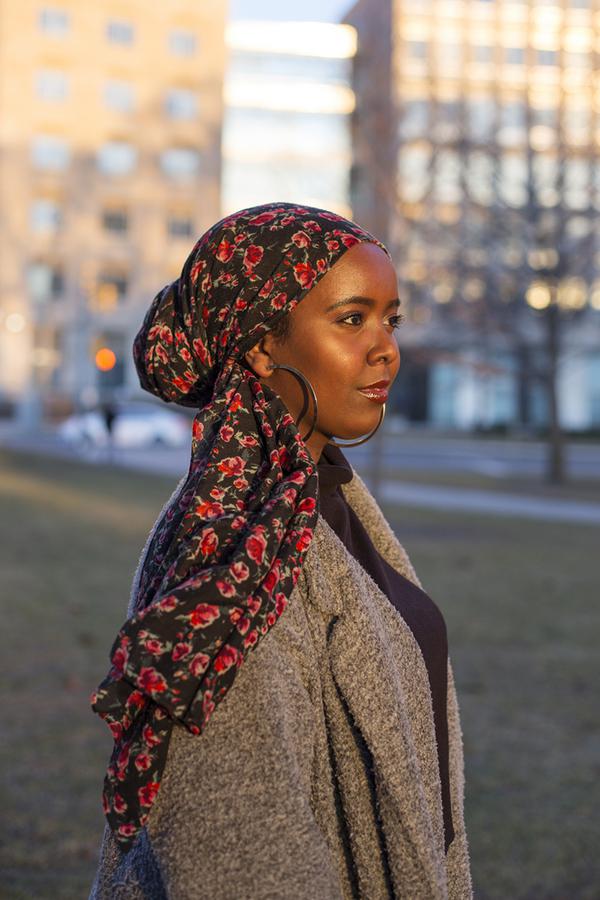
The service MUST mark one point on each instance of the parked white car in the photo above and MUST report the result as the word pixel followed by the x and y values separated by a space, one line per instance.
pixel 135 425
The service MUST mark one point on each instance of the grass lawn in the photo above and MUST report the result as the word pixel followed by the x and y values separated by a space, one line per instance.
pixel 518 597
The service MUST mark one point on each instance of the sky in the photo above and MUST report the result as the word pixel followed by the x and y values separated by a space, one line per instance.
pixel 311 10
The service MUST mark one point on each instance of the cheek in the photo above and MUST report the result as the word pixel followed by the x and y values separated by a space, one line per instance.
pixel 331 361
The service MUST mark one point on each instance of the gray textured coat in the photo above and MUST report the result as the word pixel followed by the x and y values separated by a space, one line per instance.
pixel 317 777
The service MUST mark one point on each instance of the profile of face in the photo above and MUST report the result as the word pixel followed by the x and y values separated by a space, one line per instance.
pixel 341 337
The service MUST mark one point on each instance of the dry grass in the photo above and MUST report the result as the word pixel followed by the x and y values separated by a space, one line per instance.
pixel 521 602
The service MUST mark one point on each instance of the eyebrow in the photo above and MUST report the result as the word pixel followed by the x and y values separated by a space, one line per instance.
pixel 363 301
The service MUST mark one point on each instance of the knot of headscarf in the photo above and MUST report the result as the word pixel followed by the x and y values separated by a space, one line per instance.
pixel 225 554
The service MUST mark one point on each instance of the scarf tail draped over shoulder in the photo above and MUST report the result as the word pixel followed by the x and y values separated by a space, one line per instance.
pixel 226 553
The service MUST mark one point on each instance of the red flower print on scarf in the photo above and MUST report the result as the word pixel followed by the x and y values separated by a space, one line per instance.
pixel 256 545
pixel 199 664
pixel 225 251
pixel 239 570
pixel 209 510
pixel 120 805
pixel 150 681
pixel 148 792
pixel 226 658
pixel 232 465
pixel 143 762
pixel 253 256
pixel 180 650
pixel 204 614
pixel 208 542
pixel 262 218
pixel 304 275
pixel 301 239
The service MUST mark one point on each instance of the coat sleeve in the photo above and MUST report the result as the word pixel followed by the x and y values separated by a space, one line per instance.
pixel 233 818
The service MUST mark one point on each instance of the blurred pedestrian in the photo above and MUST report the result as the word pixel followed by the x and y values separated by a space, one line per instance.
pixel 109 414
pixel 326 763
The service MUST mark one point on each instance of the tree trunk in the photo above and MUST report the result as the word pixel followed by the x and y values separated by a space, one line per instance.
pixel 555 465
pixel 523 385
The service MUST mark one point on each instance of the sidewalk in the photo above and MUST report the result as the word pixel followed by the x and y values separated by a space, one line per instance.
pixel 489 502
pixel 403 493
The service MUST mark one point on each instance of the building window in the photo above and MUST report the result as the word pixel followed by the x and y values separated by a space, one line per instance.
pixel 119 31
pixel 414 119
pixel 181 103
pixel 481 113
pixel 514 56
pixel 483 53
pixel 417 49
pixel 117 158
pixel 448 119
pixel 547 57
pixel 180 162
pixel 52 85
pixel 111 289
pixel 44 281
pixel 182 43
pixel 50 153
pixel 119 96
pixel 115 221
pixel 45 216
pixel 450 53
pixel 180 226
pixel 54 21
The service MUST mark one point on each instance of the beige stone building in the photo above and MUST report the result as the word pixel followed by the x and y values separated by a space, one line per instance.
pixel 110 131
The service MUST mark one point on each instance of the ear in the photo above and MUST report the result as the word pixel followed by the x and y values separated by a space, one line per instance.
pixel 259 357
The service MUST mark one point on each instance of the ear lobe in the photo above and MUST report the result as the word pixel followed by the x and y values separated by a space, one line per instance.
pixel 259 359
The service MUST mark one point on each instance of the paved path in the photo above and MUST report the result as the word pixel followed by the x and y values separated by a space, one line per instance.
pixel 489 502
pixel 496 503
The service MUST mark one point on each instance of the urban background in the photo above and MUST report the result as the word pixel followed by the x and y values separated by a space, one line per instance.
pixel 463 133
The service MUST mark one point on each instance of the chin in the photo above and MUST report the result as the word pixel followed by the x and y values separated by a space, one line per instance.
pixel 354 432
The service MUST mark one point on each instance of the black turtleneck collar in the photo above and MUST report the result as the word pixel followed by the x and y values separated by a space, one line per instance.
pixel 333 469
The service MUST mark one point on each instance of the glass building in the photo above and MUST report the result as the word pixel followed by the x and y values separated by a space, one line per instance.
pixel 288 99
pixel 477 156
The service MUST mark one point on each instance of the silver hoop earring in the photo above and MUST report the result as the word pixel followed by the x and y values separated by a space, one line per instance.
pixel 365 439
pixel 306 387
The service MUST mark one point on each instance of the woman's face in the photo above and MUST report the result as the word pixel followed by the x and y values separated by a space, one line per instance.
pixel 340 349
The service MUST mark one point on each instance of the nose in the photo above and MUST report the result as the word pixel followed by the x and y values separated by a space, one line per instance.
pixel 384 348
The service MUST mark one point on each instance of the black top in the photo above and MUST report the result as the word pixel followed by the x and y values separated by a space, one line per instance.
pixel 416 608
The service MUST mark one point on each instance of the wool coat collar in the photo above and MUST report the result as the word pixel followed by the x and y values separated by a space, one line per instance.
pixel 379 670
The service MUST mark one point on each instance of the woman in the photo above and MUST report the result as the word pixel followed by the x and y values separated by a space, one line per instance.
pixel 326 763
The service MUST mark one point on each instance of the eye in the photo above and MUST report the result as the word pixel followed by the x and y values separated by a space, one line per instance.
pixel 395 321
pixel 352 316
pixel 398 319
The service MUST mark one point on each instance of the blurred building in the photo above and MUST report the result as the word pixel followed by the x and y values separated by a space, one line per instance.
pixel 110 127
pixel 288 101
pixel 477 158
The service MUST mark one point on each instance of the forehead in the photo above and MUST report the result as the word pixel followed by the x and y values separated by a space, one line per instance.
pixel 364 270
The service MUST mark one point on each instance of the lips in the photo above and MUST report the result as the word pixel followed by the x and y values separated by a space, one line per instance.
pixel 376 384
pixel 376 392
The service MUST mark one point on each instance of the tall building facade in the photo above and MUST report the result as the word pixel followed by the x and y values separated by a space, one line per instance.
pixel 287 118
pixel 477 157
pixel 110 128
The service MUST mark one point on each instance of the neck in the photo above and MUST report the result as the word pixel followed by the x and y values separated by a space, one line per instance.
pixel 316 443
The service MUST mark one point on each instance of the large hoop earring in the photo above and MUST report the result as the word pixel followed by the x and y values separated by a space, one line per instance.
pixel 306 387
pixel 365 439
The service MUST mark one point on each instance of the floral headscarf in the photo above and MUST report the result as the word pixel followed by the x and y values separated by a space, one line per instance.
pixel 226 552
